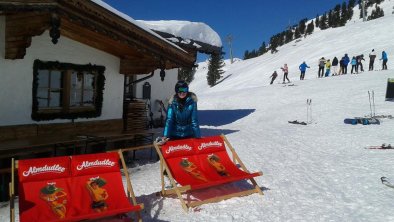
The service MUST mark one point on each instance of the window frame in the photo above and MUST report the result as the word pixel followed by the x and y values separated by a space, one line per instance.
pixel 65 111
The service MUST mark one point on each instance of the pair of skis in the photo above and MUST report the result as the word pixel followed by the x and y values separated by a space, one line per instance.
pixel 308 111
pixel 381 147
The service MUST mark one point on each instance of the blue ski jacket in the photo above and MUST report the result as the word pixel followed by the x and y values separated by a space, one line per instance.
pixel 384 56
pixel 346 60
pixel 182 119
pixel 354 61
pixel 303 67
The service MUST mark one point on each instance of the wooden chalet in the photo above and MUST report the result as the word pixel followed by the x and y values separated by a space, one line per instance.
pixel 66 69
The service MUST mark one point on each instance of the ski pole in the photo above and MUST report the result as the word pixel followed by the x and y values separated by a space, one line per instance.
pixel 370 106
pixel 307 110
pixel 310 107
pixel 373 101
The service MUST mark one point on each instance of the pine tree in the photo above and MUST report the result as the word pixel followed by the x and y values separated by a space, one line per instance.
pixel 309 28
pixel 246 55
pixel 351 5
pixel 288 36
pixel 262 49
pixel 317 22
pixel 337 16
pixel 344 14
pixel 323 22
pixel 186 74
pixel 330 19
pixel 215 65
pixel 376 13
pixel 302 26
pixel 297 33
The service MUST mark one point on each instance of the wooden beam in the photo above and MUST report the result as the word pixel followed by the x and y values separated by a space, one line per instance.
pixel 19 30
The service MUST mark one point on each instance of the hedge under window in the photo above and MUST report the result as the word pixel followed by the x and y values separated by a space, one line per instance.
pixel 67 91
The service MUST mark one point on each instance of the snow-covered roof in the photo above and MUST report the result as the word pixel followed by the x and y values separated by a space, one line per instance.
pixel 197 31
pixel 131 20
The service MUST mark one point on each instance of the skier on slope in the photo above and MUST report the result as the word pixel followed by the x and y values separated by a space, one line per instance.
pixel 372 57
pixel 285 70
pixel 328 68
pixel 346 61
pixel 273 77
pixel 335 66
pixel 385 59
pixel 302 68
pixel 321 64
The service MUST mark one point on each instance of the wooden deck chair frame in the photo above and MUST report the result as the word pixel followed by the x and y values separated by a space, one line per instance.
pixel 178 190
pixel 130 192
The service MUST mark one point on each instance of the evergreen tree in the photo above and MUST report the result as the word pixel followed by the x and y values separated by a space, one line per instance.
pixel 297 33
pixel 215 65
pixel 288 36
pixel 274 43
pixel 186 74
pixel 309 28
pixel 281 39
pixel 337 16
pixel 302 26
pixel 262 49
pixel 323 22
pixel 330 19
pixel 376 13
pixel 351 5
pixel 246 55
pixel 317 22
pixel 344 14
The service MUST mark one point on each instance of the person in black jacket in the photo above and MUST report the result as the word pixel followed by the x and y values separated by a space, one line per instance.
pixel 359 58
pixel 273 77
pixel 334 65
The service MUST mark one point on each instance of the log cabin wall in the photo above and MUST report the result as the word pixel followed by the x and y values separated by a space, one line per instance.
pixel 39 130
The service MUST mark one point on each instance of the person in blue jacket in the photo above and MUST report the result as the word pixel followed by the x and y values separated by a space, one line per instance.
pixel 385 59
pixel 182 119
pixel 346 61
pixel 354 65
pixel 302 68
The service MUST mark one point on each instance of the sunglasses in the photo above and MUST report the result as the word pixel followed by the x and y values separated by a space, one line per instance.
pixel 183 90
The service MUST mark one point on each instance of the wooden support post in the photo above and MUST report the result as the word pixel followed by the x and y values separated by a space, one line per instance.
pixel 130 192
pixel 177 191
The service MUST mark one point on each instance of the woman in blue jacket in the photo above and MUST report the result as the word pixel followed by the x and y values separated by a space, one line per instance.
pixel 354 65
pixel 384 58
pixel 182 120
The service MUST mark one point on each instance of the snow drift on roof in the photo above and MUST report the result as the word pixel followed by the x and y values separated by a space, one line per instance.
pixel 197 31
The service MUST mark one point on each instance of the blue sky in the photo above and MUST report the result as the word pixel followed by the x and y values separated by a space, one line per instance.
pixel 250 22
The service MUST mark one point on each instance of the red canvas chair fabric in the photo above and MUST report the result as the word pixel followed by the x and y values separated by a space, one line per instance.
pixel 201 163
pixel 72 188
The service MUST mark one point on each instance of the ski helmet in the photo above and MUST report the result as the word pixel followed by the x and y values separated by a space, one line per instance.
pixel 181 86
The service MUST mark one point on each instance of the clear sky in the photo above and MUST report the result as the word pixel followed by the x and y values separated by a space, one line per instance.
pixel 250 22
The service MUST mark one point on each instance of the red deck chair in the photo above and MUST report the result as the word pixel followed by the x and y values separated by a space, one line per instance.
pixel 73 188
pixel 196 164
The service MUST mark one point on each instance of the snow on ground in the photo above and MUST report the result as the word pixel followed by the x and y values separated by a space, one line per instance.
pixel 318 172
